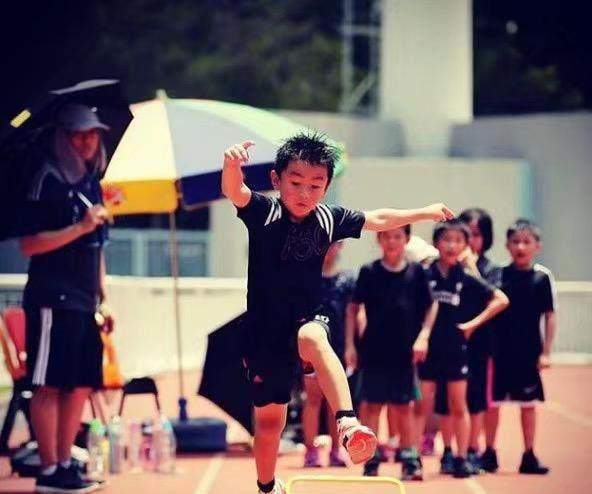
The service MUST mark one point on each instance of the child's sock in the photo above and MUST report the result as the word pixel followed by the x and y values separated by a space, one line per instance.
pixel 65 464
pixel 344 413
pixel 266 487
pixel 49 470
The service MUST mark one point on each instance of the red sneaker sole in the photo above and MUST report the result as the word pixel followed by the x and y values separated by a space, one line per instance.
pixel 361 446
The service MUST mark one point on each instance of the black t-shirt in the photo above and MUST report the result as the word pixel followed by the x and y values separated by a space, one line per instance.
pixel 337 292
pixel 68 277
pixel 285 263
pixel 531 294
pixel 396 304
pixel 460 298
pixel 490 271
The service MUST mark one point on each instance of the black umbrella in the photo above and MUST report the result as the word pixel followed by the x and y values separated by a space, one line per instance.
pixel 223 380
pixel 24 145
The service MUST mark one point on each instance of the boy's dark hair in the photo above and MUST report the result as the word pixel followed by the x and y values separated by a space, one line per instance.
pixel 311 147
pixel 406 229
pixel 521 225
pixel 484 223
pixel 454 224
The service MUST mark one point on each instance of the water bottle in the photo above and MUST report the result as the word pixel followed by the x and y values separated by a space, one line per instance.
pixel 134 452
pixel 96 456
pixel 165 446
pixel 116 445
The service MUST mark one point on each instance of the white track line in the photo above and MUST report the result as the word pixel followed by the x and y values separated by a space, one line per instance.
pixel 475 487
pixel 568 414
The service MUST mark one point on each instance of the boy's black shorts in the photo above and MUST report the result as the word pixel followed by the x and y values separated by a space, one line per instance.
pixel 393 386
pixel 476 387
pixel 64 348
pixel 445 364
pixel 273 373
pixel 516 380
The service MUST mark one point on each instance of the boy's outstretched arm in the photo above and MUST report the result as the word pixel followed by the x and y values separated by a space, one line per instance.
pixel 499 301
pixel 380 220
pixel 233 185
pixel 550 329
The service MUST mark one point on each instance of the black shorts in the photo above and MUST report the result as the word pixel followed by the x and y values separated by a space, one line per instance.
pixel 477 385
pixel 445 364
pixel 64 348
pixel 516 381
pixel 391 386
pixel 273 374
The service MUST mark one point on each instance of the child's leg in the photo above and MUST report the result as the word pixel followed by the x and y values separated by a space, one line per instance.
pixel 270 421
pixel 528 419
pixel 313 347
pixel 446 430
pixel 393 422
pixel 404 424
pixel 476 428
pixel 371 417
pixel 424 408
pixel 491 425
pixel 457 403
pixel 311 410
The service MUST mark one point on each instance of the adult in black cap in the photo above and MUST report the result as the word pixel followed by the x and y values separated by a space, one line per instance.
pixel 65 285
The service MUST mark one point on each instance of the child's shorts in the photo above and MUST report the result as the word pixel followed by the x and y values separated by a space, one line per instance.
pixel 444 364
pixel 388 385
pixel 519 382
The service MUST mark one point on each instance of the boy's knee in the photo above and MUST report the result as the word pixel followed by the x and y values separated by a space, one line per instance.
pixel 458 409
pixel 270 425
pixel 311 338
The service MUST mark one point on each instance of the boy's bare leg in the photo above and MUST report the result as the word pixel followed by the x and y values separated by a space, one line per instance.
pixel 313 347
pixel 311 410
pixel 491 425
pixel 44 416
pixel 424 408
pixel 71 405
pixel 528 419
pixel 457 403
pixel 446 430
pixel 476 428
pixel 270 421
pixel 371 417
pixel 404 423
pixel 393 422
pixel 332 426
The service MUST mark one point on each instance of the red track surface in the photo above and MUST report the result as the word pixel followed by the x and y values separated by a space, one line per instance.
pixel 564 443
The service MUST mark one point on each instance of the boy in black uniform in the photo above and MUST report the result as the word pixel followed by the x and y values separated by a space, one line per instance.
pixel 286 324
pixel 519 352
pixel 398 304
pixel 460 297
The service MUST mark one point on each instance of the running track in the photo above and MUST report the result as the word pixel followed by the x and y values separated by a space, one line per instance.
pixel 564 443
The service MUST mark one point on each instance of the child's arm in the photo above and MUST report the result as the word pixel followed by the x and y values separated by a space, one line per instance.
pixel 233 185
pixel 420 347
pixel 380 220
pixel 499 301
pixel 550 329
pixel 351 318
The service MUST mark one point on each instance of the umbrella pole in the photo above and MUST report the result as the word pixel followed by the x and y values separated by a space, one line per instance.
pixel 174 255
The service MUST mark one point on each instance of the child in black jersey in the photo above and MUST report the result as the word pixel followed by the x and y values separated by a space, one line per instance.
pixel 519 350
pixel 398 304
pixel 286 323
pixel 464 304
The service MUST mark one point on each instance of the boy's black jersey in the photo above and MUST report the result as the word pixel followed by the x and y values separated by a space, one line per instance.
pixel 460 297
pixel 396 304
pixel 285 262
pixel 531 294
pixel 489 270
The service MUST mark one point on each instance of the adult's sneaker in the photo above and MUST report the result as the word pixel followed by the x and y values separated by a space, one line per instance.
pixel 530 464
pixel 447 462
pixel 359 441
pixel 488 460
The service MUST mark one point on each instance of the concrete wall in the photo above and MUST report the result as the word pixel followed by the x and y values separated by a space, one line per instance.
pixel 559 148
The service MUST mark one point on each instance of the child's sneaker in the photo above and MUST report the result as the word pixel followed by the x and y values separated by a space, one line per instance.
pixel 462 468
pixel 278 488
pixel 359 441
pixel 62 480
pixel 411 466
pixel 530 464
pixel 311 458
pixel 336 458
pixel 474 461
pixel 427 445
pixel 447 462
pixel 371 469
pixel 488 460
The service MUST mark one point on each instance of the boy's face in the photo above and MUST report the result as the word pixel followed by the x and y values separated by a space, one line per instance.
pixel 450 245
pixel 301 186
pixel 476 239
pixel 523 247
pixel 393 242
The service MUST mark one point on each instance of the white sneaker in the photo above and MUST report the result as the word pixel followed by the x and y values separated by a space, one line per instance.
pixel 278 488
pixel 359 441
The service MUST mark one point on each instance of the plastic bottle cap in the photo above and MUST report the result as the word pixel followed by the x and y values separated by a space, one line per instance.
pixel 96 427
